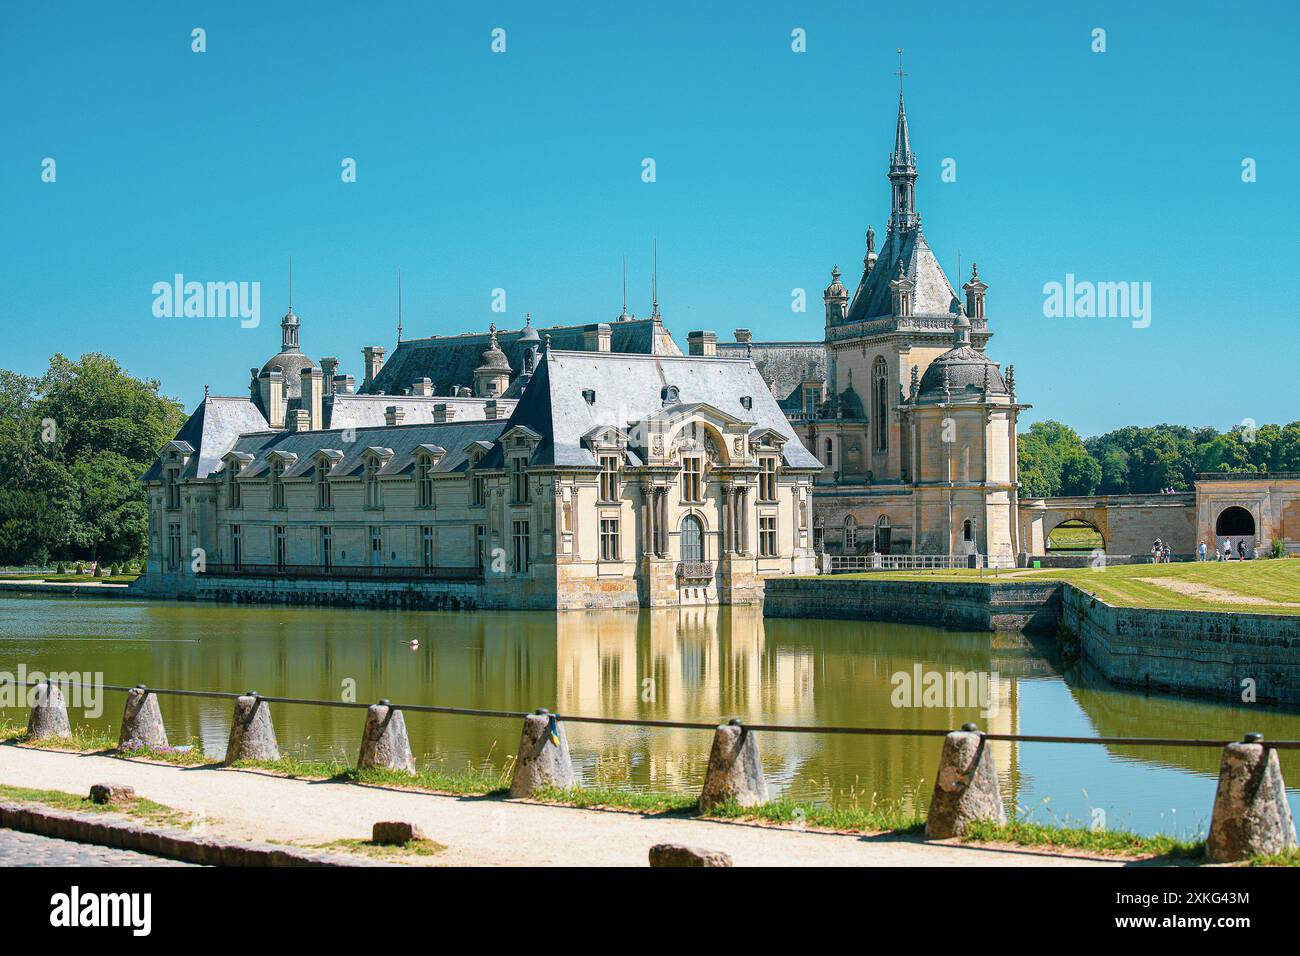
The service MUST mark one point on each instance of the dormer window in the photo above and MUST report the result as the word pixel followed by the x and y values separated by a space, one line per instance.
pixel 692 479
pixel 276 479
pixel 424 481
pixel 609 474
pixel 519 479
pixel 324 490
pixel 767 478
pixel 172 488
pixel 233 498
pixel 374 490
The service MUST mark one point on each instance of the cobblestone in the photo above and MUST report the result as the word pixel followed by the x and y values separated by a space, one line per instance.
pixel 28 849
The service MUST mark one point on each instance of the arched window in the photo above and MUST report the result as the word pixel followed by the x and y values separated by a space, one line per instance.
pixel 850 533
pixel 692 539
pixel 968 530
pixel 880 403
pixel 882 534
pixel 819 533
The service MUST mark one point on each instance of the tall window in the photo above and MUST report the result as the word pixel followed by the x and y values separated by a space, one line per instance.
pixel 478 491
pixel 376 546
pixel 830 454
pixel 968 530
pixel 232 485
pixel 522 555
pixel 880 396
pixel 609 478
pixel 609 550
pixel 767 536
pixel 850 533
pixel 882 534
pixel 326 548
pixel 324 492
pixel 692 484
pixel 426 548
pixel 374 491
pixel 519 479
pixel 281 548
pixel 173 547
pixel 236 546
pixel 692 540
pixel 767 478
pixel 424 481
pixel 277 484
pixel 173 486
pixel 819 534
pixel 480 546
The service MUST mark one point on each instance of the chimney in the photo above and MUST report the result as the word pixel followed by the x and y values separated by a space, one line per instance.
pixel 422 386
pixel 300 421
pixel 490 409
pixel 595 337
pixel 443 413
pixel 393 415
pixel 313 399
pixel 702 343
pixel 329 366
pixel 344 384
pixel 744 335
pixel 374 358
pixel 271 386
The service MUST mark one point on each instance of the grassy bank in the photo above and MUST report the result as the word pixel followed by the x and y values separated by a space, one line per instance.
pixel 55 578
pixel 137 808
pixel 1261 586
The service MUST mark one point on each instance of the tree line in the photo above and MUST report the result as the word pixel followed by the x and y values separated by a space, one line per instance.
pixel 1135 459
pixel 73 445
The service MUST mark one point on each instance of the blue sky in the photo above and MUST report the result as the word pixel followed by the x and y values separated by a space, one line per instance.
pixel 522 171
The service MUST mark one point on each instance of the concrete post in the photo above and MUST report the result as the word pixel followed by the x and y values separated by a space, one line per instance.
pixel 966 787
pixel 541 761
pixel 252 735
pixel 1251 816
pixel 49 716
pixel 735 771
pixel 142 723
pixel 384 743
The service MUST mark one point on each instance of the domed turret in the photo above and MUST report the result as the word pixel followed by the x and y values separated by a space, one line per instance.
pixel 493 376
pixel 962 373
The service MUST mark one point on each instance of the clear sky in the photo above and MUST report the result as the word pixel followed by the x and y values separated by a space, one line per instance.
pixel 523 171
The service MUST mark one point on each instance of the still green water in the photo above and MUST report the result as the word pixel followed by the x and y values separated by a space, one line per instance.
pixel 698 664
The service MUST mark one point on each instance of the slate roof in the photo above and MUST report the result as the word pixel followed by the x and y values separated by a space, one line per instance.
pixel 212 429
pixel 365 411
pixel 450 360
pixel 933 296
pixel 965 367
pixel 402 440
pixel 784 366
pixel 628 389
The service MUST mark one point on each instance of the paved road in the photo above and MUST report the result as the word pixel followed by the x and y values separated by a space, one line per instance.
pixel 28 849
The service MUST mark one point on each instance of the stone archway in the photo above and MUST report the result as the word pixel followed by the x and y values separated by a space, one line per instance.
pixel 1076 536
pixel 1236 525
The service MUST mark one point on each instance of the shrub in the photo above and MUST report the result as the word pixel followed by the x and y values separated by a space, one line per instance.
pixel 1279 548
pixel 59 569
pixel 81 567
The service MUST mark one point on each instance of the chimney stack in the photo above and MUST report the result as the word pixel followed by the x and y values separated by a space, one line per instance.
pixel 702 343
pixel 744 335
pixel 300 420
pixel 596 337
pixel 329 366
pixel 344 384
pixel 313 398
pixel 490 409
pixel 422 386
pixel 374 358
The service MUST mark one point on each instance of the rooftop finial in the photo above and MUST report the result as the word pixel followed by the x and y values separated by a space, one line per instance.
pixel 623 317
pixel 399 303
pixel 546 344
pixel 291 285
pixel 654 283
pixel 901 74
pixel 492 335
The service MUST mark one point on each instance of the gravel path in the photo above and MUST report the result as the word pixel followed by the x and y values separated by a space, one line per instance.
pixel 476 830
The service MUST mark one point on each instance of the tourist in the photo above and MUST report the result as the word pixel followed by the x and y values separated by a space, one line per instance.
pixel 1241 550
pixel 1227 550
pixel 1202 550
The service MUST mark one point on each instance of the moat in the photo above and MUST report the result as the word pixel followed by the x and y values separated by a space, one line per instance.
pixel 693 664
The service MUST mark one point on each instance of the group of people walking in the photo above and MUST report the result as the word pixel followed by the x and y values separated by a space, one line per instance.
pixel 1159 552
pixel 1223 553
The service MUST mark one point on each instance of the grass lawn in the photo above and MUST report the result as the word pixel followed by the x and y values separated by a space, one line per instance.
pixel 76 578
pixel 1243 587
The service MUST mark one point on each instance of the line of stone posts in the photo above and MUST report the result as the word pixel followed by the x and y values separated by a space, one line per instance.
pixel 1251 816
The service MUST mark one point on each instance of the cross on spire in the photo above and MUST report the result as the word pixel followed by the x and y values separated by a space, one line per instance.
pixel 899 73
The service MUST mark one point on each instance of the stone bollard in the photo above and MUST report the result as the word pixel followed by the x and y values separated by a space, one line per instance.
pixel 541 761
pixel 142 723
pixel 966 787
pixel 1251 816
pixel 384 743
pixel 734 772
pixel 106 793
pixel 49 716
pixel 252 735
pixel 674 854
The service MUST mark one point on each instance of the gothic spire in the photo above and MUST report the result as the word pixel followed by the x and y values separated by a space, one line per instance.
pixel 902 166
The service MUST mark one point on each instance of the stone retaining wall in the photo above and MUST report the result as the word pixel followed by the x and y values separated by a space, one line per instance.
pixel 973 606
pixel 1202 652
pixel 408 595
